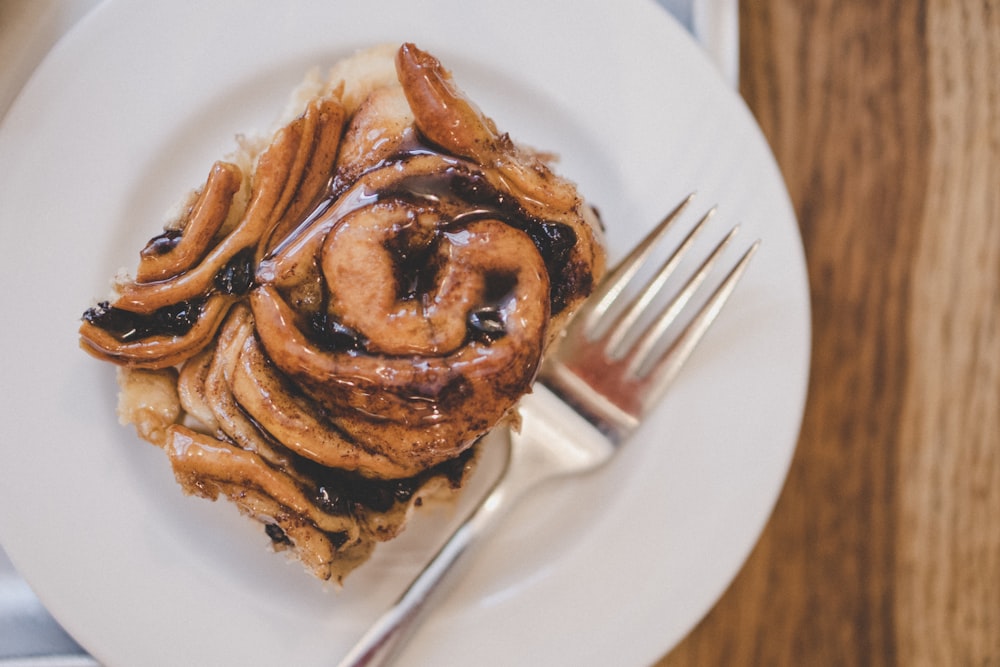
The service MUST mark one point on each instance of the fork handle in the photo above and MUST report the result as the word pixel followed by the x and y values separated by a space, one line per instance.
pixel 379 645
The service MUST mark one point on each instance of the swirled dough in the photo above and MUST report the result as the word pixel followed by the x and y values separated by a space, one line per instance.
pixel 331 323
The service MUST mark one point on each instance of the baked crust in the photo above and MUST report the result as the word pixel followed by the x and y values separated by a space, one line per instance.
pixel 338 315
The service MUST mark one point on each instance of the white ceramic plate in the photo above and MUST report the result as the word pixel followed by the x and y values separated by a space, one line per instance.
pixel 129 111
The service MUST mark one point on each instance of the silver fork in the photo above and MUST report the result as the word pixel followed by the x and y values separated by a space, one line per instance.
pixel 605 374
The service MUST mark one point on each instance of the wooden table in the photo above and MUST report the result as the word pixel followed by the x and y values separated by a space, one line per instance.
pixel 884 548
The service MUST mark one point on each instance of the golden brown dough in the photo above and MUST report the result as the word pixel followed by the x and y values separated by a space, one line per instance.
pixel 343 310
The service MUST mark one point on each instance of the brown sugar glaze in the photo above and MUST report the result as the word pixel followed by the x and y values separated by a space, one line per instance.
pixel 346 321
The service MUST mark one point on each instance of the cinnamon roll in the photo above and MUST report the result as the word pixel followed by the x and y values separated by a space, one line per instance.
pixel 343 310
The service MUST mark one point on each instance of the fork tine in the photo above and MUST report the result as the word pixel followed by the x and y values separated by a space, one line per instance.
pixel 670 362
pixel 614 283
pixel 616 337
pixel 654 333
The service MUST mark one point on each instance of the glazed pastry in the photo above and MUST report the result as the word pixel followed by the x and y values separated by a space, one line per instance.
pixel 341 312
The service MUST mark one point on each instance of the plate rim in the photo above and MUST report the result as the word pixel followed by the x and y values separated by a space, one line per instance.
pixel 83 32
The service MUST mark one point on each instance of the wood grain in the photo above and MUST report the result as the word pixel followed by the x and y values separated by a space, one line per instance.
pixel 884 548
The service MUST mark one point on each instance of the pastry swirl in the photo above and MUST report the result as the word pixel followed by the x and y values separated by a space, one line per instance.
pixel 345 313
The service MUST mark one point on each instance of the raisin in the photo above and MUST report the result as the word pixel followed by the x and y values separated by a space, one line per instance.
pixel 173 320
pixel 236 277
pixel 333 335
pixel 276 534
pixel 330 501
pixel 555 242
pixel 337 538
pixel 486 325
pixel 162 244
